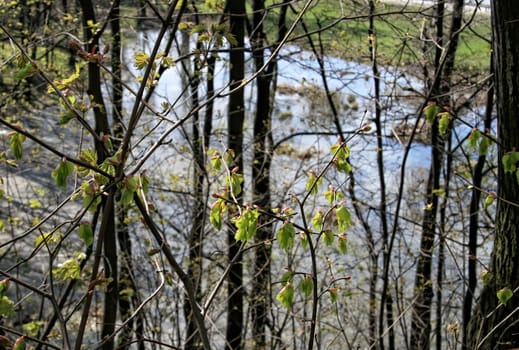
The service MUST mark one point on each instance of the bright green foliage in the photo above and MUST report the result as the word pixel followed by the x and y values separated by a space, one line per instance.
pixel 313 182
pixel 246 225
pixel 342 243
pixel 129 186
pixel 484 145
pixel 431 111
pixel 286 295
pixel 70 269
pixel 33 328
pixel 332 195
pixel 288 276
pixel 306 285
pixel 235 181
pixel 443 124
pixel 88 156
pixel 317 220
pixel 510 161
pixel 16 144
pixel 65 83
pixel 304 240
pixel 86 234
pixel 6 307
pixel 505 294
pixel 286 235
pixel 216 161
pixel 328 237
pixel 62 172
pixel 48 238
pixel 489 200
pixel 474 137
pixel 141 60
pixel 343 218
pixel 341 153
pixel 217 210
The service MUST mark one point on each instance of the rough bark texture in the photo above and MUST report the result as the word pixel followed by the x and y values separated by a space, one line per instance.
pixel 495 326
pixel 235 119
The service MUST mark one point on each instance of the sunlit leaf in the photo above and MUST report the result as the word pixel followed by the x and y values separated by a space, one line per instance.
pixel 343 218
pixel 286 295
pixel 306 285
pixel 342 245
pixel 16 144
pixel 489 200
pixel 443 124
pixel 317 220
pixel 430 111
pixel 216 214
pixel 504 295
pixel 313 182
pixel 286 235
pixel 62 172
pixel 474 138
pixel 328 237
pixel 4 286
pixel 6 307
pixel 246 225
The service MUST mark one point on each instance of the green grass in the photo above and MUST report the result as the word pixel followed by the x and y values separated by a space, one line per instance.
pixel 398 30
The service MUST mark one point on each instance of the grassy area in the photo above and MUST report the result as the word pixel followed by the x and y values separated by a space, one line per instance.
pixel 398 31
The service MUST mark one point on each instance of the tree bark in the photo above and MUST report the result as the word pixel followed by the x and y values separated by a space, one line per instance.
pixel 235 120
pixel 494 325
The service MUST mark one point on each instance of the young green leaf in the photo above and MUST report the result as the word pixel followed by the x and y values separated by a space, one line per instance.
pixel 474 138
pixel 484 145
pixel 328 237
pixel 342 243
pixel 216 214
pixel 235 182
pixel 443 124
pixel 306 285
pixel 313 182
pixel 505 294
pixel 286 295
pixel 304 240
pixel 510 161
pixel 430 111
pixel 246 225
pixel 62 172
pixel 86 233
pixel 286 235
pixel 6 307
pixel 317 220
pixel 489 200
pixel 343 218
pixel 16 144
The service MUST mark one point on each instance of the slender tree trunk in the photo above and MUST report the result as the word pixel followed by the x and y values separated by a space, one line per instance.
pixel 421 318
pixel 494 325
pixel 261 182
pixel 235 120
pixel 102 128
pixel 477 180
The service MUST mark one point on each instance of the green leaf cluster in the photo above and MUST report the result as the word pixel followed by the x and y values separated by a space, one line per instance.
pixel 246 225
pixel 341 154
pixel 16 140
pixel 510 161
pixel 62 171
pixel 286 236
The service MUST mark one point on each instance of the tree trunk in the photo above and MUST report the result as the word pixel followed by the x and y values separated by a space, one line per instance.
pixel 235 119
pixel 102 128
pixel 261 182
pixel 494 325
